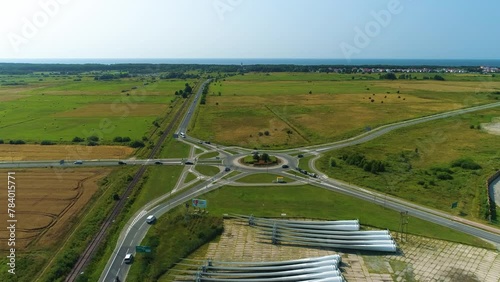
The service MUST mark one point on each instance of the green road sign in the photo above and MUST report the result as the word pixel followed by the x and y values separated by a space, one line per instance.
pixel 143 249
pixel 454 205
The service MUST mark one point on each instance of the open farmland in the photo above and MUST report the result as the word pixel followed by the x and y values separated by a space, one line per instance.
pixel 259 110
pixel 47 204
pixel 58 108
pixel 31 152
pixel 424 163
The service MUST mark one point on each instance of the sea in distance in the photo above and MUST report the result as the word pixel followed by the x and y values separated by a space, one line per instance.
pixel 267 61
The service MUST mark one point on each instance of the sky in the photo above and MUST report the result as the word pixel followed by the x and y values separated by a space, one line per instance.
pixel 351 29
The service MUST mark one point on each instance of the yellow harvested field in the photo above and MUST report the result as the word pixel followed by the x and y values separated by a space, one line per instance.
pixel 237 120
pixel 47 203
pixel 115 110
pixel 31 152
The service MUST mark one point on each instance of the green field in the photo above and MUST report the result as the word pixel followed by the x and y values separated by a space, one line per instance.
pixel 60 109
pixel 209 155
pixel 207 170
pixel 173 148
pixel 419 163
pixel 285 110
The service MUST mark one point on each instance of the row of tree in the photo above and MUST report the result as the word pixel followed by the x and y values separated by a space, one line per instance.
pixel 203 99
pixel 361 161
pixel 186 92
pixel 180 70
pixel 392 76
pixel 265 157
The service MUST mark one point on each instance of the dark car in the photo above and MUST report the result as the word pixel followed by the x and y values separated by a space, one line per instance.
pixel 207 142
pixel 158 163
pixel 122 163
pixel 227 169
pixel 300 156
pixel 285 166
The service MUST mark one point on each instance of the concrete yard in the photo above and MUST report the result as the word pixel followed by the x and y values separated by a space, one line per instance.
pixel 420 259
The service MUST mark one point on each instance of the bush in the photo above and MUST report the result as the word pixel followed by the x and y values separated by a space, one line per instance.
pixel 77 139
pixel 93 138
pixel 333 163
pixel 441 169
pixel 118 139
pixel 17 142
pixel 137 144
pixel 92 143
pixel 389 75
pixel 1 141
pixel 126 139
pixel 466 164
pixel 438 77
pixel 444 176
pixel 47 142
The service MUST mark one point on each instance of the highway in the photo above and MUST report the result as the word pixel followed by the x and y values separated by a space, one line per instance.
pixel 191 109
pixel 88 163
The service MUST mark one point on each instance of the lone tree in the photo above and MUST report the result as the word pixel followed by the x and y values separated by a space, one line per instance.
pixel 256 156
pixel 188 89
pixel 265 157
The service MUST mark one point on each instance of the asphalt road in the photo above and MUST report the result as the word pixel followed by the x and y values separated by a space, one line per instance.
pixel 87 163
pixel 189 114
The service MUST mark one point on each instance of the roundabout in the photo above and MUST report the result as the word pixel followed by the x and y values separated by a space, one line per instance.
pixel 238 161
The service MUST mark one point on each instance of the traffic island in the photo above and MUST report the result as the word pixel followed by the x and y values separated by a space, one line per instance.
pixel 263 160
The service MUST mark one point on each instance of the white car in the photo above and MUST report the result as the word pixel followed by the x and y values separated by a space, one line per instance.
pixel 128 258
pixel 150 219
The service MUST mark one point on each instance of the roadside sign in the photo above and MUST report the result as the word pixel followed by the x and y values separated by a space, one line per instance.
pixel 143 249
pixel 198 203
pixel 454 205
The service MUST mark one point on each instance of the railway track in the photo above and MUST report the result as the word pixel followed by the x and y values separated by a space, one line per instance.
pixel 89 252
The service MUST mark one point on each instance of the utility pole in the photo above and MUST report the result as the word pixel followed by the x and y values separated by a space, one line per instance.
pixel 403 226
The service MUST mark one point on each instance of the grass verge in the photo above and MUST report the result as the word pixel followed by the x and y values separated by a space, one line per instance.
pixel 261 178
pixel 207 170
